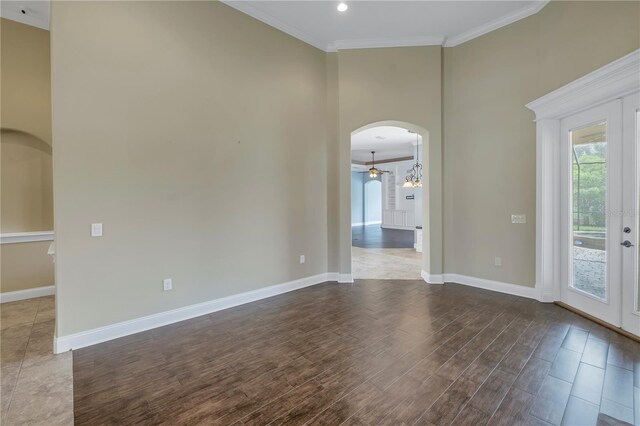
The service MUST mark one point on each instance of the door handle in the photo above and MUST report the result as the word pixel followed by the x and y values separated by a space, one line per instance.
pixel 627 244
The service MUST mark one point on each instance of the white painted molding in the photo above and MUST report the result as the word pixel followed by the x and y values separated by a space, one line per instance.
pixel 244 7
pixel 432 279
pixel 31 293
pixel 433 40
pixel 125 328
pixel 386 42
pixel 500 287
pixel 26 237
pixel 400 227
pixel 372 222
pixel 612 81
pixel 345 278
pixel 608 83
pixel 495 24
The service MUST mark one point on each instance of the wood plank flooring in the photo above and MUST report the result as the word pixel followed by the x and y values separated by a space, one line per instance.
pixel 374 236
pixel 378 352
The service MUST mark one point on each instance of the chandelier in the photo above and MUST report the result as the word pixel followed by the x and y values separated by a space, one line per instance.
pixel 414 177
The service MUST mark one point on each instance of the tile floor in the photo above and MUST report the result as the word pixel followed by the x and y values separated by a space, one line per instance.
pixel 37 386
pixel 386 263
pixel 378 352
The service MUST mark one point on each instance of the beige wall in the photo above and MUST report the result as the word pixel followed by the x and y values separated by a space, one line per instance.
pixel 214 147
pixel 27 186
pixel 25 121
pixel 397 84
pixel 26 201
pixel 197 136
pixel 24 266
pixel 489 149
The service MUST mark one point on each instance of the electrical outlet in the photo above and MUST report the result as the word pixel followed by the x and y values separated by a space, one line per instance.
pixel 96 230
pixel 302 258
pixel 167 284
pixel 518 218
pixel 497 261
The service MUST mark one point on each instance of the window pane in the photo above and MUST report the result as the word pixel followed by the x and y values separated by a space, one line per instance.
pixel 589 203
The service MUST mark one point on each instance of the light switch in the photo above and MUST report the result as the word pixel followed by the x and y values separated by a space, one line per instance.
pixel 96 230
pixel 167 284
pixel 518 218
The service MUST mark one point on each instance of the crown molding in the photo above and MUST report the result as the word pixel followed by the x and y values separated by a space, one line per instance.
pixel 435 40
pixel 612 81
pixel 386 42
pixel 276 23
pixel 495 24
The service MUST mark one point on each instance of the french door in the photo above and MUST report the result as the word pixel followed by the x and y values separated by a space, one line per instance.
pixel 600 204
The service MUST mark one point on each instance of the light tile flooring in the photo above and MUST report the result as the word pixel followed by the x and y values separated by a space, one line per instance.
pixel 389 263
pixel 37 386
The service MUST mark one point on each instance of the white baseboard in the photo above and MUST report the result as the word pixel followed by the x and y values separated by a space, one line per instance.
pixel 432 278
pixel 125 328
pixel 12 296
pixel 373 222
pixel 345 278
pixel 405 228
pixel 514 289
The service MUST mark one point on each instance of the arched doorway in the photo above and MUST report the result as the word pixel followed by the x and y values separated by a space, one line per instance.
pixel 386 202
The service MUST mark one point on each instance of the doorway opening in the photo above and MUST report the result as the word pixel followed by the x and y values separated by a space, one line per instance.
pixel 386 203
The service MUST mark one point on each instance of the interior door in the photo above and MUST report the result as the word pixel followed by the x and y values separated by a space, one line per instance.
pixel 592 212
pixel 631 214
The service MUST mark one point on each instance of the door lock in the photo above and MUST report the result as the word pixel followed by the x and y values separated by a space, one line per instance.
pixel 626 230
pixel 627 244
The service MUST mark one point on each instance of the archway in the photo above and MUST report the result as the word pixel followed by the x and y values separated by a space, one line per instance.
pixel 431 204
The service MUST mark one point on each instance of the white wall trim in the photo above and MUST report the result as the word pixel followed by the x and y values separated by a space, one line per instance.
pixel 513 289
pixel 495 24
pixel 431 40
pixel 345 278
pixel 125 328
pixel 432 279
pixel 400 227
pixel 30 293
pixel 371 222
pixel 26 237
pixel 386 42
pixel 275 23
pixel 613 81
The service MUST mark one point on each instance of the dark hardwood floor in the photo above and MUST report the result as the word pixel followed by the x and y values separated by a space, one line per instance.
pixel 373 236
pixel 371 353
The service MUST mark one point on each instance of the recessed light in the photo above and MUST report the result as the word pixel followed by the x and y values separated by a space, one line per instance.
pixel 342 7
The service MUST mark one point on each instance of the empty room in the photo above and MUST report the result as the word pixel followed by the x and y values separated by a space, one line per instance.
pixel 320 212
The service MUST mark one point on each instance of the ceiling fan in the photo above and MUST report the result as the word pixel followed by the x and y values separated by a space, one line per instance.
pixel 373 171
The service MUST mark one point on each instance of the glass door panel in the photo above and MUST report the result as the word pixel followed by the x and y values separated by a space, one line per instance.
pixel 589 206
pixel 592 201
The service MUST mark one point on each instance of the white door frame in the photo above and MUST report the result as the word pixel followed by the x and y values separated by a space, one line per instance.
pixel 613 81
pixel 631 214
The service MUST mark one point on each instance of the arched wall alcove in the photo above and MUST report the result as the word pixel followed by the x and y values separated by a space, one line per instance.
pixel 431 203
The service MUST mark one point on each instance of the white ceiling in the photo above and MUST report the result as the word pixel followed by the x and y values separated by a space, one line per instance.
pixel 30 12
pixel 380 23
pixel 387 23
pixel 387 141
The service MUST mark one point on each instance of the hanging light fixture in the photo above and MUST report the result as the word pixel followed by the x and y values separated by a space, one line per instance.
pixel 373 172
pixel 414 178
